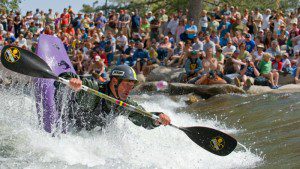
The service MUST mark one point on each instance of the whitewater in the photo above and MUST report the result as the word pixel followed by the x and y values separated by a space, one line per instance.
pixel 24 144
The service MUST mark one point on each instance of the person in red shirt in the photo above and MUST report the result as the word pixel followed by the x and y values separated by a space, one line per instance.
pixel 48 31
pixel 70 30
pixel 277 63
pixel 103 56
pixel 65 18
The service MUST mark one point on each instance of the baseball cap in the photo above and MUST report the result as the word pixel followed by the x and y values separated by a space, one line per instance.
pixel 237 51
pixel 97 58
pixel 260 46
pixel 248 35
pixel 194 52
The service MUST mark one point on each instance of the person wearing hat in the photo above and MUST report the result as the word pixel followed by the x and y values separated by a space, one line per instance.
pixel 265 67
pixel 247 74
pixel 193 65
pixel 208 43
pixel 87 111
pixel 250 44
pixel 149 16
pixel 100 21
pixel 258 54
pixel 286 64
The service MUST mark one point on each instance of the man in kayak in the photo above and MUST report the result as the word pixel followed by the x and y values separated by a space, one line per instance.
pixel 88 111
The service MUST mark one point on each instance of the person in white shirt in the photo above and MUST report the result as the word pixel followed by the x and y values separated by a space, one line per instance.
pixel 266 19
pixel 122 40
pixel 258 55
pixel 22 41
pixel 277 23
pixel 1 27
pixel 173 24
pixel 258 18
pixel 228 49
pixel 203 21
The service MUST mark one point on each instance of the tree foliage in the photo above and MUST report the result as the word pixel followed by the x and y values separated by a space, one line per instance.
pixel 174 5
pixel 10 4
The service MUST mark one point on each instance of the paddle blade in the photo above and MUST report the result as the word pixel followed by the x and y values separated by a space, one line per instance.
pixel 25 62
pixel 211 140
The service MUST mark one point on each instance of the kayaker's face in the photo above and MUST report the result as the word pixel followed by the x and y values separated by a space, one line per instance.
pixel 125 88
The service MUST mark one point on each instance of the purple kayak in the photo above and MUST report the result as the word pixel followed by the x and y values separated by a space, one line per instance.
pixel 51 50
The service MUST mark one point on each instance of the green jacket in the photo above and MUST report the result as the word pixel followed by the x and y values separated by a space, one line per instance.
pixel 89 111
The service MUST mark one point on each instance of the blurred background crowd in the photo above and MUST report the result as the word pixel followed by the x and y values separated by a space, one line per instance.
pixel 225 46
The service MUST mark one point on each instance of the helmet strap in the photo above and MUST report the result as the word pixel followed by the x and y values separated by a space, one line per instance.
pixel 116 88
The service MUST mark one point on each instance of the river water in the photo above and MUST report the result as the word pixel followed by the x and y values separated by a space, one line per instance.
pixel 267 125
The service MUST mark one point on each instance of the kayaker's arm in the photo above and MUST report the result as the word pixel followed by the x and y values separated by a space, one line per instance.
pixel 141 120
pixel 87 101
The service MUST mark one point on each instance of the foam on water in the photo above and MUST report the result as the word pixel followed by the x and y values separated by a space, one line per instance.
pixel 121 145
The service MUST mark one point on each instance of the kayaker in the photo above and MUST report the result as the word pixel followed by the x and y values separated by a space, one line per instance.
pixel 88 111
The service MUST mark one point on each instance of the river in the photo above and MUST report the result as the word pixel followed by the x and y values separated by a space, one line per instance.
pixel 267 125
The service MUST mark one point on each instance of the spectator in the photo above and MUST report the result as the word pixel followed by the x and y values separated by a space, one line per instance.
pixel 257 55
pixel 65 18
pixel 135 22
pixel 203 21
pixel 141 57
pixel 210 66
pixel 228 49
pixel 191 30
pixel 265 67
pixel 274 49
pixel 193 65
pixel 250 44
pixel 247 74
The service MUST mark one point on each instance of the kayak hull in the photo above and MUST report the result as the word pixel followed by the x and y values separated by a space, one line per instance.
pixel 52 51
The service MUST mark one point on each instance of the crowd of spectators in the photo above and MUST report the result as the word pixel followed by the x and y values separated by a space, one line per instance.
pixel 250 47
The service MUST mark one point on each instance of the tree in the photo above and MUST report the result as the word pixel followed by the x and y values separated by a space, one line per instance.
pixel 195 6
pixel 10 4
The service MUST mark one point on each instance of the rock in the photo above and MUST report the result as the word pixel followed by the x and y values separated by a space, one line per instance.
pixel 290 88
pixel 148 87
pixel 168 74
pixel 205 91
pixel 192 98
pixel 284 80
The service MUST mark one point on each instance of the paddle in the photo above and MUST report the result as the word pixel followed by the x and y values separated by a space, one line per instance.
pixel 28 63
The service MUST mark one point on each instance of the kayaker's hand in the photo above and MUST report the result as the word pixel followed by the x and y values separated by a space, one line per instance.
pixel 163 119
pixel 75 84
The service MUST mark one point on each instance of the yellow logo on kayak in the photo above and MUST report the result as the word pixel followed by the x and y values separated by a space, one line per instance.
pixel 217 143
pixel 12 55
